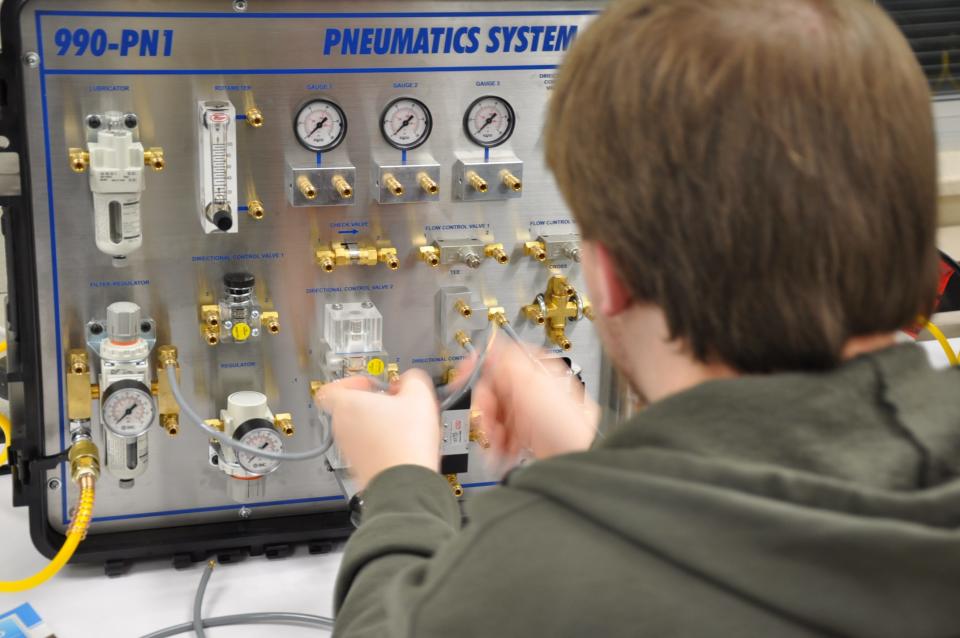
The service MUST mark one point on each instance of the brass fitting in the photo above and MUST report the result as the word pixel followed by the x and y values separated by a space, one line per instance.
pixel 254 117
pixel 170 423
pixel 84 460
pixel 79 159
pixel 534 314
pixel 153 157
pixel 216 424
pixel 461 338
pixel 536 249
pixel 476 182
pixel 497 315
pixel 166 403
pixel 455 485
pixel 271 319
pixel 306 187
pixel 327 260
pixel 393 185
pixel 511 181
pixel 315 387
pixel 463 308
pixel 388 256
pixel 342 187
pixel 430 255
pixel 559 337
pixel 477 435
pixel 429 186
pixel 255 209
pixel 588 311
pixel 497 252
pixel 393 372
pixel 284 423
pixel 211 336
pixel 79 390
pixel 210 315
pixel 450 376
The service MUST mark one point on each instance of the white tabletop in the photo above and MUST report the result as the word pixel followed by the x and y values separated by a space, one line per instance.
pixel 81 602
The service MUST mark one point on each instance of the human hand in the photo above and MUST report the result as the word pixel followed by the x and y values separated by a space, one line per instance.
pixel 378 431
pixel 524 404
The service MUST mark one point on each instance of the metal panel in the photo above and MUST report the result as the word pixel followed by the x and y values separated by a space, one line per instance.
pixel 277 62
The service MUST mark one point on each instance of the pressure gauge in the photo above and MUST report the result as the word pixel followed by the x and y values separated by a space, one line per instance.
pixel 261 434
pixel 406 123
pixel 127 408
pixel 320 125
pixel 489 121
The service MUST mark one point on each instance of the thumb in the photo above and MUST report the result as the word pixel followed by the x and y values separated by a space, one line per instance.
pixel 416 382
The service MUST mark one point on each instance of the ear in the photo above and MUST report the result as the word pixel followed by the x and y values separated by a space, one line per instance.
pixel 607 291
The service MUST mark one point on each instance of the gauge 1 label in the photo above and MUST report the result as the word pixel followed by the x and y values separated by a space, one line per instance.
pixel 320 125
pixel 406 123
pixel 489 121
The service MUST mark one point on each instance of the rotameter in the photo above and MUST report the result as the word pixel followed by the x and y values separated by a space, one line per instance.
pixel 362 193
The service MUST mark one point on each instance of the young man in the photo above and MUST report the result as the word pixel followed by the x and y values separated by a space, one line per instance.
pixel 765 227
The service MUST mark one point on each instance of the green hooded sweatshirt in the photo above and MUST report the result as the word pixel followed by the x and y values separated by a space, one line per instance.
pixel 784 505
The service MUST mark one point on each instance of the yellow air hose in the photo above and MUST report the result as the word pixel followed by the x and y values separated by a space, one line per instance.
pixel 84 471
pixel 942 340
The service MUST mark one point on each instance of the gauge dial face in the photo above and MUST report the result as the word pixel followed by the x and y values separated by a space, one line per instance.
pixel 320 125
pixel 406 123
pixel 489 121
pixel 127 408
pixel 258 433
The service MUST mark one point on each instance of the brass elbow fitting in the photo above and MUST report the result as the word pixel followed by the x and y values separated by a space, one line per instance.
pixel 79 160
pixel 210 315
pixel 255 209
pixel 255 117
pixel 389 257
pixel 327 260
pixel 536 250
pixel 559 337
pixel 497 252
pixel 463 308
pixel 84 460
pixel 511 181
pixel 393 185
pixel 284 423
pixel 306 187
pixel 498 315
pixel 455 485
pixel 430 255
pixel 429 186
pixel 477 435
pixel 342 186
pixel 393 372
pixel 153 157
pixel 271 320
pixel 476 182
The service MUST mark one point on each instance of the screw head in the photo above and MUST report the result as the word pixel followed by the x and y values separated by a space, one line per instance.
pixel 255 314
pixel 94 121
pixel 130 120
pixel 31 59
pixel 366 304
pixel 338 306
pixel 145 326
pixel 53 484
pixel 228 324
pixel 239 5
pixel 96 328
pixel 244 513
pixel 255 332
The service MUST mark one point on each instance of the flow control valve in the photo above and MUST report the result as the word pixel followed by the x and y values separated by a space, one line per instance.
pixel 115 160
pixel 551 248
pixel 248 420
pixel 238 317
pixel 331 256
pixel 559 304
pixel 470 252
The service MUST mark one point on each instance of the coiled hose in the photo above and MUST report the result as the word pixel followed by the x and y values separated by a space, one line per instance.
pixel 75 533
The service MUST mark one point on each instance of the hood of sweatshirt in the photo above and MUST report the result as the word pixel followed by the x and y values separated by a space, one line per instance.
pixel 831 499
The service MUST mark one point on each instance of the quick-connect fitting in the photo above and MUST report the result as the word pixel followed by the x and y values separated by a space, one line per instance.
pixel 84 460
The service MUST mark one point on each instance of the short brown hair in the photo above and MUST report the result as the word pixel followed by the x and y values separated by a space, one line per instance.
pixel 764 171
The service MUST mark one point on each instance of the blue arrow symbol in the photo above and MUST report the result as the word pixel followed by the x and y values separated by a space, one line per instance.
pixel 349 232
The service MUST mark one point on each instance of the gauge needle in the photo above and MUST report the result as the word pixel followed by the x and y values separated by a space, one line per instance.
pixel 264 446
pixel 488 122
pixel 405 123
pixel 128 412
pixel 318 126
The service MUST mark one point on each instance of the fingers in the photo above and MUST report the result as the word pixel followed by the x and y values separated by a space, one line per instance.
pixel 334 396
pixel 416 382
pixel 464 369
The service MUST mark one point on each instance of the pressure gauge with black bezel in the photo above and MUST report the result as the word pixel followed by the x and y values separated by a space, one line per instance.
pixel 127 408
pixel 489 121
pixel 260 434
pixel 406 123
pixel 320 125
